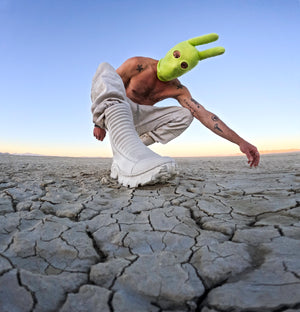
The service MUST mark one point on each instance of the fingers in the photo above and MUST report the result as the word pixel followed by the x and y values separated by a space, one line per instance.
pixel 102 135
pixel 95 133
pixel 257 158
pixel 250 158
pixel 99 133
pixel 254 159
pixel 251 153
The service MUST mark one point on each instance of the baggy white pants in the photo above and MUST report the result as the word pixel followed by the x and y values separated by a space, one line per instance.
pixel 162 124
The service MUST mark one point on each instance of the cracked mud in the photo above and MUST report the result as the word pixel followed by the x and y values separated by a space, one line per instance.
pixel 220 237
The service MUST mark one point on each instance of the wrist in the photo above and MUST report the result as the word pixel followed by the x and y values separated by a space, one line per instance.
pixel 242 142
pixel 97 126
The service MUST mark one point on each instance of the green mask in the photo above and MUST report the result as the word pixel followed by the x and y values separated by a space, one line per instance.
pixel 184 56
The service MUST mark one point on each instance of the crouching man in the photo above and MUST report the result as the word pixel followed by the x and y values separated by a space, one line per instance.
pixel 123 103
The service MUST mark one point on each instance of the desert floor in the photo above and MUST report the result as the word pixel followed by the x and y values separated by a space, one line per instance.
pixel 219 237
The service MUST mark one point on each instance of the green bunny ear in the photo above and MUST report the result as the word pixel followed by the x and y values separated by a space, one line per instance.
pixel 203 39
pixel 210 52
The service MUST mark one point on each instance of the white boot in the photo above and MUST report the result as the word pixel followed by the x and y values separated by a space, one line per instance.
pixel 134 164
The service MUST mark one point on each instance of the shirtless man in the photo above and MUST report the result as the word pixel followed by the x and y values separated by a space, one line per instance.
pixel 146 86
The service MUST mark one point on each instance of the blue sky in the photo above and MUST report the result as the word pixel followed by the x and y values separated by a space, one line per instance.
pixel 50 51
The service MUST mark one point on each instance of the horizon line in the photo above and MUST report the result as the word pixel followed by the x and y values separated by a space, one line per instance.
pixel 263 152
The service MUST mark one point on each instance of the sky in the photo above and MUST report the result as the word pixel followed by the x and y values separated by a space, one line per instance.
pixel 50 50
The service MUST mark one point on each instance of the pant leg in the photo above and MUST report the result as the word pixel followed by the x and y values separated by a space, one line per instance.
pixel 162 124
pixel 107 88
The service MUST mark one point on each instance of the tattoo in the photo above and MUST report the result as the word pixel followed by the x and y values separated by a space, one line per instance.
pixel 217 127
pixel 179 86
pixel 214 118
pixel 189 107
pixel 192 109
pixel 140 68
pixel 195 102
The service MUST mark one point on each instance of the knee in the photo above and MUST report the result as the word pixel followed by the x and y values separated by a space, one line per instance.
pixel 188 115
pixel 184 116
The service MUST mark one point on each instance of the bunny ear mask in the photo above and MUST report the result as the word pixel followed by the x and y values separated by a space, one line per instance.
pixel 184 56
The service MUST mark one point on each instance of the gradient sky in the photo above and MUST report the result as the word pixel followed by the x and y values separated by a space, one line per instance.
pixel 50 51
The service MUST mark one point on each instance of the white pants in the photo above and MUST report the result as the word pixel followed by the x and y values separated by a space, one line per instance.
pixel 162 124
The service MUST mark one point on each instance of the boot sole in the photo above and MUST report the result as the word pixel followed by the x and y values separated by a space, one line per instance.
pixel 160 174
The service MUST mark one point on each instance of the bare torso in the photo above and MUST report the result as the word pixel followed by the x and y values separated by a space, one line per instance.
pixel 139 75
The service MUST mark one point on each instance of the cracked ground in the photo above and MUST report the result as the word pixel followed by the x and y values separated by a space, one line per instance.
pixel 220 237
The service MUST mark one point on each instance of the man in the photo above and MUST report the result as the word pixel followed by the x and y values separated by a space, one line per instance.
pixel 146 82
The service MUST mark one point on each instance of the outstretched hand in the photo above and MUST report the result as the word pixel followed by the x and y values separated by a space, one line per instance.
pixel 251 153
pixel 99 133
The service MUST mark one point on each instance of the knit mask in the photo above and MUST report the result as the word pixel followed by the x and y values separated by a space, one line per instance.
pixel 184 56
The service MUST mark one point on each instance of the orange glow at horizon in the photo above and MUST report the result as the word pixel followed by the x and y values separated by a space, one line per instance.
pixel 173 149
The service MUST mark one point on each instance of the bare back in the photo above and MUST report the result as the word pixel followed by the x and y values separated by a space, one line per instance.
pixel 142 86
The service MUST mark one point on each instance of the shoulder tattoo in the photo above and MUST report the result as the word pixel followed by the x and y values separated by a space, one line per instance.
pixel 139 68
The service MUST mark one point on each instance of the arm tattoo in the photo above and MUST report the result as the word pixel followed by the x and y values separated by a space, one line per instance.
pixel 195 102
pixel 214 117
pixel 139 68
pixel 217 127
pixel 179 86
pixel 189 107
pixel 192 109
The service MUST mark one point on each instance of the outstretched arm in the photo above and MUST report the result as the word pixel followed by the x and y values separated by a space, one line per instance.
pixel 215 124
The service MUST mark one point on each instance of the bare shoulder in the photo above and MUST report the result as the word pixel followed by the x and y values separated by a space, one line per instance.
pixel 180 91
pixel 133 67
pixel 140 59
pixel 135 64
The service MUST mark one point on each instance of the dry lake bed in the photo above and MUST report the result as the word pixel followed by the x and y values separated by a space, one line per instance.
pixel 219 237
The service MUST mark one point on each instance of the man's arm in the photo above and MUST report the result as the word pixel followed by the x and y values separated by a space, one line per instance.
pixel 215 124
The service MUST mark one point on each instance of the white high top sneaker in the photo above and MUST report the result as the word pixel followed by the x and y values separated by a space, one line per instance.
pixel 134 164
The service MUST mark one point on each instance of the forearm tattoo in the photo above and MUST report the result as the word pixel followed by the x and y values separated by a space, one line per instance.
pixel 179 86
pixel 193 111
pixel 139 68
pixel 189 107
pixel 195 102
pixel 216 127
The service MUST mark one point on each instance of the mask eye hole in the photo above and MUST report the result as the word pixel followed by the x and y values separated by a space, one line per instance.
pixel 176 54
pixel 184 65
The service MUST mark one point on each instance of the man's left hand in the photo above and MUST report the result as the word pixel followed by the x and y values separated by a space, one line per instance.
pixel 251 153
pixel 99 133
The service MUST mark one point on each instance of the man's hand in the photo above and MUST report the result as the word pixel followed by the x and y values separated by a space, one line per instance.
pixel 251 153
pixel 99 133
